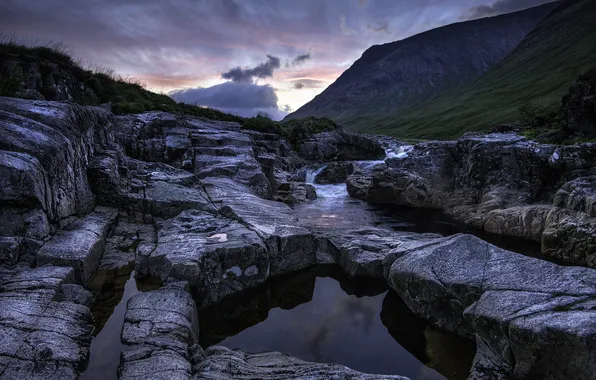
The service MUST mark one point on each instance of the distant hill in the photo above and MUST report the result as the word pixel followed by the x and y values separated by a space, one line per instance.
pixel 539 70
pixel 394 76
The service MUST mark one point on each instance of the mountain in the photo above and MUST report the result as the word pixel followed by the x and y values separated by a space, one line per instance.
pixel 539 71
pixel 396 75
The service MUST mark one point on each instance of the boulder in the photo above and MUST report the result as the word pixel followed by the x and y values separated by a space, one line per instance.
pixel 527 315
pixel 335 172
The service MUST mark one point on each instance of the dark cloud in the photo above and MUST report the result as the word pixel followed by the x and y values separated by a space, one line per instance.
pixel 244 99
pixel 301 59
pixel 308 83
pixel 503 6
pixel 264 70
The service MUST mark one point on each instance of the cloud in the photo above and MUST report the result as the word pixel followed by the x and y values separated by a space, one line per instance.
pixel 243 99
pixel 264 70
pixel 503 6
pixel 307 83
pixel 301 59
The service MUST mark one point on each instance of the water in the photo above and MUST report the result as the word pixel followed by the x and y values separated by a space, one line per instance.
pixel 312 173
pixel 319 315
pixel 335 209
pixel 112 289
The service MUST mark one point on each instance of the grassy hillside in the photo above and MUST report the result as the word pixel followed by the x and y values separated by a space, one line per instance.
pixel 397 75
pixel 25 70
pixel 540 70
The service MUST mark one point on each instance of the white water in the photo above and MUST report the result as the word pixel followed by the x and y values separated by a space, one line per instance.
pixel 311 174
pixel 400 152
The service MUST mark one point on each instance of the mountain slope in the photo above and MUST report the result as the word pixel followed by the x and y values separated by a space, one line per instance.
pixel 539 70
pixel 395 75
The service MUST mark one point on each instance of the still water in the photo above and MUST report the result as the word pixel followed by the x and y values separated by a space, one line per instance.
pixel 318 315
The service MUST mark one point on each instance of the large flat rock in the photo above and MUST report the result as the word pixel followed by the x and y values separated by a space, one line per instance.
pixel 43 333
pixel 221 363
pixel 528 315
pixel 81 244
pixel 290 246
pixel 216 255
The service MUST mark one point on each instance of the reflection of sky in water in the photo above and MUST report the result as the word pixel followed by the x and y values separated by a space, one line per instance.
pixel 336 328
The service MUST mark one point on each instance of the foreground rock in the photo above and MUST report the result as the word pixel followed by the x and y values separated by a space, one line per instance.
pixel 501 183
pixel 523 312
pixel 221 363
pixel 44 330
pixel 80 245
pixel 365 252
pixel 160 334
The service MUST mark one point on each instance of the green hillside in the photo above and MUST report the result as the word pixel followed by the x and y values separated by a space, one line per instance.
pixel 540 70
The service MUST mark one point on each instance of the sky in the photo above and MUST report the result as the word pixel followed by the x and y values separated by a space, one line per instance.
pixel 241 56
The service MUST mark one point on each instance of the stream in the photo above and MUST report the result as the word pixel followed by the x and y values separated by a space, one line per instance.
pixel 318 314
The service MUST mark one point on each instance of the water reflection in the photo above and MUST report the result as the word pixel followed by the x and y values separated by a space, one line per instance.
pixel 112 289
pixel 317 315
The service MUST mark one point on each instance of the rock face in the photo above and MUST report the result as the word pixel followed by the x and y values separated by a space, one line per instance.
pixel 44 330
pixel 338 145
pixel 394 75
pixel 520 310
pixel 501 183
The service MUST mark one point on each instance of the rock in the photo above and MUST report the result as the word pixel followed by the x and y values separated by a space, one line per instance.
pixel 363 252
pixel 502 183
pixel 529 315
pixel 160 333
pixel 222 363
pixel 578 195
pixel 294 192
pixel 75 293
pixel 209 148
pixel 216 255
pixel 80 245
pixel 48 145
pixel 571 237
pixel 521 221
pixel 340 146
pixel 291 247
pixel 41 337
pixel 335 172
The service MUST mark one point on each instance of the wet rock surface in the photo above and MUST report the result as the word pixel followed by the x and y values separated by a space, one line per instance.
pixel 223 363
pixel 519 309
pixel 501 183
pixel 45 327
pixel 206 203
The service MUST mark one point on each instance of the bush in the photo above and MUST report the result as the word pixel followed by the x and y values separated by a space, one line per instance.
pixel 11 85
